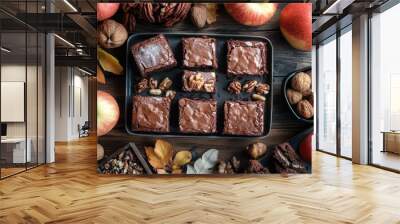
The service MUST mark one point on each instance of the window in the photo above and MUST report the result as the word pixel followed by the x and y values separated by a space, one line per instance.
pixel 346 93
pixel 327 96
pixel 385 89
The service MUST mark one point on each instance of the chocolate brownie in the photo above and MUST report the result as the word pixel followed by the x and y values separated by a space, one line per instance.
pixel 246 57
pixel 197 116
pixel 287 160
pixel 153 55
pixel 244 118
pixel 151 113
pixel 198 81
pixel 199 52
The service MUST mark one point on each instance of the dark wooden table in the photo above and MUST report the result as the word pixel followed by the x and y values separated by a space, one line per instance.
pixel 286 60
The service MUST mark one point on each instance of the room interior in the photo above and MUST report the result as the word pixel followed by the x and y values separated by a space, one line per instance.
pixel 48 66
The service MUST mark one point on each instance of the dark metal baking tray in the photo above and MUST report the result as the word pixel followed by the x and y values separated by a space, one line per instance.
pixel 175 74
pixel 284 88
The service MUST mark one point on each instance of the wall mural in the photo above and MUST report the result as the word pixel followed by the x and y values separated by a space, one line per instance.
pixel 204 88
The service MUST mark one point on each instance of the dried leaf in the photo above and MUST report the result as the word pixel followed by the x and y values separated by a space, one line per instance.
pixel 190 170
pixel 182 158
pixel 164 151
pixel 205 164
pixel 108 62
pixel 211 13
pixel 153 159
pixel 100 76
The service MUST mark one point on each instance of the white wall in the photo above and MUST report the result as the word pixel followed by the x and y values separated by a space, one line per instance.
pixel 71 93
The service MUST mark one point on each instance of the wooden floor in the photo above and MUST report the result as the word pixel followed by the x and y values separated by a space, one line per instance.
pixel 70 191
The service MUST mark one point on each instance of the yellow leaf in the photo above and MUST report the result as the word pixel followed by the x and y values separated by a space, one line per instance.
pixel 164 151
pixel 108 62
pixel 100 76
pixel 153 158
pixel 211 13
pixel 182 158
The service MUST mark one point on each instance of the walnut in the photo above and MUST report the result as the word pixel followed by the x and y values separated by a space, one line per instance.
pixel 209 86
pixel 165 84
pixel 249 86
pixel 196 82
pixel 262 89
pixel 235 87
pixel 305 109
pixel 142 85
pixel 293 96
pixel 301 82
pixel 153 83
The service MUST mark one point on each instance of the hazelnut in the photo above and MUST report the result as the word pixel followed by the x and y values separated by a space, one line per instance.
pixel 235 87
pixel 249 86
pixel 305 109
pixel 153 83
pixel 257 150
pixel 301 82
pixel 262 89
pixel 293 96
pixel 165 84
pixel 142 85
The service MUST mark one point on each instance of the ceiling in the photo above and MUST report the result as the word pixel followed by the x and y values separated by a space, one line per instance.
pixel 72 20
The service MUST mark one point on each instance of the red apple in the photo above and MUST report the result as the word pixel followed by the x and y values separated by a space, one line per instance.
pixel 106 10
pixel 107 113
pixel 306 148
pixel 295 23
pixel 251 14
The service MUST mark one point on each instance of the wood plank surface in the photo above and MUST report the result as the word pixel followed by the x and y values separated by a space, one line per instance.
pixel 286 60
pixel 70 191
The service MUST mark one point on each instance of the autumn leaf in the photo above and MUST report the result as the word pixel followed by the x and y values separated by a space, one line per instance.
pixel 108 62
pixel 164 151
pixel 211 13
pixel 153 159
pixel 181 158
pixel 100 76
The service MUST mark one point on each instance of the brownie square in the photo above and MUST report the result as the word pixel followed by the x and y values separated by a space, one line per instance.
pixel 151 113
pixel 153 55
pixel 198 81
pixel 197 116
pixel 199 52
pixel 246 57
pixel 244 118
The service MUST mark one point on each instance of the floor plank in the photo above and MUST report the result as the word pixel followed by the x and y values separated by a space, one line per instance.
pixel 70 191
